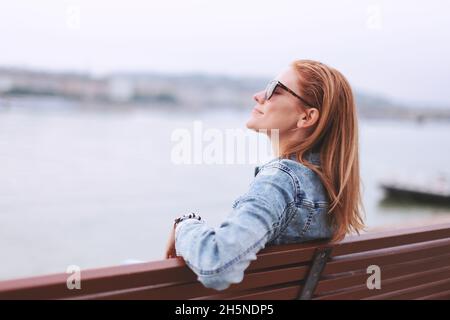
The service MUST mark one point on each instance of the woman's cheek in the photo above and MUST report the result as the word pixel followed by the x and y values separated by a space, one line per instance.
pixel 272 121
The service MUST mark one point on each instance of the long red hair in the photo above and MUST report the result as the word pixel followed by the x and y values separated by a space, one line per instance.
pixel 335 137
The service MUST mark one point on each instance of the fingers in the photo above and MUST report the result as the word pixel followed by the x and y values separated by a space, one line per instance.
pixel 170 247
pixel 170 253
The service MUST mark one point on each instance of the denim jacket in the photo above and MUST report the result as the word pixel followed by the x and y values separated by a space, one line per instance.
pixel 286 203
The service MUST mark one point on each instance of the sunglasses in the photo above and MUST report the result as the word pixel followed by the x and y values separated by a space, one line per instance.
pixel 272 86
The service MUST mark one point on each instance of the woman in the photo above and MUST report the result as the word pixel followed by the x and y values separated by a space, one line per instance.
pixel 311 190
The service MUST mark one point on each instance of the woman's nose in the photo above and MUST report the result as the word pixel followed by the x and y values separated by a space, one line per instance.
pixel 259 97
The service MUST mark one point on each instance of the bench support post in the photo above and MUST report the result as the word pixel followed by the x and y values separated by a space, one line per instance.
pixel 318 264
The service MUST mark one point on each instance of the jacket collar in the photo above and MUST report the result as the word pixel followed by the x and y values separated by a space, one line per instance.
pixel 313 157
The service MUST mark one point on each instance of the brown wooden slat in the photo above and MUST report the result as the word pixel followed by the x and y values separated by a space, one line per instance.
pixel 445 295
pixel 97 280
pixel 390 285
pixel 196 289
pixel 291 292
pixel 359 277
pixel 387 239
pixel 416 291
pixel 384 256
pixel 285 292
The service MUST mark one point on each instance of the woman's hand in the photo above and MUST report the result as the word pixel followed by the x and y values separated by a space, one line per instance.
pixel 170 248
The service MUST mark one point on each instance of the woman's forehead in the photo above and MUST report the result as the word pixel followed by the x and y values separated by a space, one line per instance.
pixel 289 78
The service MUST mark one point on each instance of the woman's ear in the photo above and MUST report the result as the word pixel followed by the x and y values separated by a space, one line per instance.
pixel 301 121
pixel 308 118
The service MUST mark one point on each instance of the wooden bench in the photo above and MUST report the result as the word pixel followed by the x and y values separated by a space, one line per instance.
pixel 414 264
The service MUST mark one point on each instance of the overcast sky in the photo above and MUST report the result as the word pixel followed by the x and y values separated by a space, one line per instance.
pixel 397 48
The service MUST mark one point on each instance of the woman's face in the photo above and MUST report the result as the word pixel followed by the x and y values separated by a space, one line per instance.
pixel 282 111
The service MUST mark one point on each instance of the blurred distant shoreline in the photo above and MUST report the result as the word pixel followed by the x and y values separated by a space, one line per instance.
pixel 157 91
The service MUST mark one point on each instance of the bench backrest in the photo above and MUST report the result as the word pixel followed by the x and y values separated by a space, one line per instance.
pixel 413 263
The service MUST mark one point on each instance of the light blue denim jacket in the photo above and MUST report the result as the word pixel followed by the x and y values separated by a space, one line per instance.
pixel 286 203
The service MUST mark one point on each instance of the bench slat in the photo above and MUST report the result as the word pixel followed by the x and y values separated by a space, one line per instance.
pixel 445 295
pixel 392 238
pixel 382 257
pixel 286 292
pixel 359 277
pixel 390 285
pixel 195 289
pixel 417 291
pixel 98 280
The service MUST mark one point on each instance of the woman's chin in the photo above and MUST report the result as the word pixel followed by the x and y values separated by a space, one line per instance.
pixel 251 124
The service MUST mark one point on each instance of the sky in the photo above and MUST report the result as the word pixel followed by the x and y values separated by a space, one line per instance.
pixel 399 49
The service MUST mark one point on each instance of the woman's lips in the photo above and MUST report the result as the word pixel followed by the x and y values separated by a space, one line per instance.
pixel 256 111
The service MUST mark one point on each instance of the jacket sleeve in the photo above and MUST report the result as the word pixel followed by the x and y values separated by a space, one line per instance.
pixel 219 256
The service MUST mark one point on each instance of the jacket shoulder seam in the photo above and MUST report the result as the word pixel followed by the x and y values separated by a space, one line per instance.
pixel 293 177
